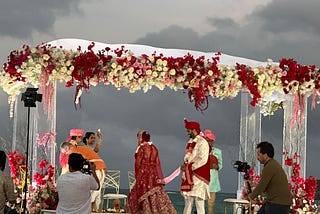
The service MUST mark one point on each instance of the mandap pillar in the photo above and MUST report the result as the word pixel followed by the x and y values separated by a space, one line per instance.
pixel 295 131
pixel 42 131
pixel 250 134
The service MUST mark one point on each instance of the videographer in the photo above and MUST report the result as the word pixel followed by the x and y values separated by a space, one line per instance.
pixel 92 156
pixel 273 182
pixel 74 187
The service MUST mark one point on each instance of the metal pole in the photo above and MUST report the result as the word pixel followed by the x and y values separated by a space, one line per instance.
pixel 27 159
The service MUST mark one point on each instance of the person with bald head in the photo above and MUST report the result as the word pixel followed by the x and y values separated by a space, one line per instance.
pixel 75 138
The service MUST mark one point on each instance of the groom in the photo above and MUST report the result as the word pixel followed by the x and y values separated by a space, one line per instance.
pixel 196 165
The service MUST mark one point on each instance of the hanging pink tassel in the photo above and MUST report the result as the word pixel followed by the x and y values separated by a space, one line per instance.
pixel 47 90
pixel 315 94
pixel 298 110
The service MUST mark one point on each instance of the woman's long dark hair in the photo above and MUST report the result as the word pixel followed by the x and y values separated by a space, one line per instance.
pixel 145 136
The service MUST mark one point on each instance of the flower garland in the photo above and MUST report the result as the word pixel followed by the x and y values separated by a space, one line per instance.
pixel 303 190
pixel 41 195
pixel 17 162
pixel 44 194
pixel 47 140
pixel 44 64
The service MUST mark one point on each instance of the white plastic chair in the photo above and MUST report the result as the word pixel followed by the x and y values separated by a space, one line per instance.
pixel 112 180
pixel 131 179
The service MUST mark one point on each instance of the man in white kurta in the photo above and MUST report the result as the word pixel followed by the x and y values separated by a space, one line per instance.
pixel 197 155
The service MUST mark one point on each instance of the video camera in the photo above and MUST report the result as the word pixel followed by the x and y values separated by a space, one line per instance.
pixel 242 167
pixel 86 169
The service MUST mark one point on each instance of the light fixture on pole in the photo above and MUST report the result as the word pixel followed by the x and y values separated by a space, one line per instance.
pixel 30 97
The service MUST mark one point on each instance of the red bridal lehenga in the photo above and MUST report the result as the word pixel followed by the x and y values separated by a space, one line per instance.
pixel 148 195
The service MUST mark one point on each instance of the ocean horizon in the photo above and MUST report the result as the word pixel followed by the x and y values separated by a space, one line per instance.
pixel 178 201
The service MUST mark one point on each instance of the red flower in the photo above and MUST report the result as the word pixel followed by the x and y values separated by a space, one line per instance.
pixel 43 163
pixel 288 161
pixel 296 72
pixel 247 77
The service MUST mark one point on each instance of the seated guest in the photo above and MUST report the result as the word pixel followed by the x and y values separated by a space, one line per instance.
pixel 74 187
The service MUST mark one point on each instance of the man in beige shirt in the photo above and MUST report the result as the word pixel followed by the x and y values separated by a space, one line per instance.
pixel 6 184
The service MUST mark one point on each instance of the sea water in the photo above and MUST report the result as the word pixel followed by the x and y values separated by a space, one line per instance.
pixel 178 202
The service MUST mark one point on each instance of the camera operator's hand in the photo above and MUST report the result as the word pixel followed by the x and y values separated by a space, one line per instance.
pixel 93 173
pixel 252 201
pixel 92 167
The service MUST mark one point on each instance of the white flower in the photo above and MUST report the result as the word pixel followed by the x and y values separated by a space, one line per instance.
pixel 172 72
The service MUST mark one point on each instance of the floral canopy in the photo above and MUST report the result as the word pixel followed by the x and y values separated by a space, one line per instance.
pixel 83 64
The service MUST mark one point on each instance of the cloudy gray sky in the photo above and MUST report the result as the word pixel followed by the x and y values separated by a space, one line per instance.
pixel 248 28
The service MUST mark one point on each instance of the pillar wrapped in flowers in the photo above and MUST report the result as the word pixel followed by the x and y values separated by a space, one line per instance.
pixel 295 132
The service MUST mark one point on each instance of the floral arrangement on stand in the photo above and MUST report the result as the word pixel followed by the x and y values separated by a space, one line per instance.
pixel 17 164
pixel 200 77
pixel 43 195
pixel 303 190
pixel 40 195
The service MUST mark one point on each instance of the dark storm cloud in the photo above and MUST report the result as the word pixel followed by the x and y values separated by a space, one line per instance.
pixel 280 29
pixel 19 19
pixel 159 111
pixel 120 115
pixel 290 16
pixel 172 37
pixel 222 22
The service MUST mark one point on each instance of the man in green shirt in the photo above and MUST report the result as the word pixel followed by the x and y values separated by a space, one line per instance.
pixel 214 185
pixel 273 182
